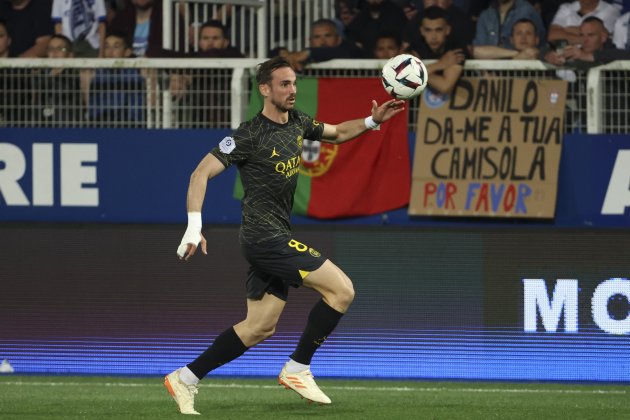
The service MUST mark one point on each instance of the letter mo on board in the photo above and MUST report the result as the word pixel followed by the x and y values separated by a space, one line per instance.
pixel 77 175
pixel 564 300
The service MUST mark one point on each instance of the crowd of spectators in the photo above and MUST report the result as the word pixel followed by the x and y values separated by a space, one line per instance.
pixel 575 34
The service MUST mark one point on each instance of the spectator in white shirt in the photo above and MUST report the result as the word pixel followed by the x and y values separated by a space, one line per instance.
pixel 566 22
pixel 621 36
pixel 83 23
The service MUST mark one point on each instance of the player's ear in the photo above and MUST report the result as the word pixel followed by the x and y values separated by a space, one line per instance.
pixel 263 88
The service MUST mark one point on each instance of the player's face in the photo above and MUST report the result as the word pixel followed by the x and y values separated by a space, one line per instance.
pixel 324 36
pixel 386 48
pixel 434 32
pixel 283 89
pixel 5 41
pixel 593 36
pixel 212 39
pixel 524 36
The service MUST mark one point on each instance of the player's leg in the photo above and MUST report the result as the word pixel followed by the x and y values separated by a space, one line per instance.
pixel 260 323
pixel 337 295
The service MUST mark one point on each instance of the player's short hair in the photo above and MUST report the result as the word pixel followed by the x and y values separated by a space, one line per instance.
pixel 65 39
pixel 434 13
pixel 265 70
pixel 214 23
pixel 3 22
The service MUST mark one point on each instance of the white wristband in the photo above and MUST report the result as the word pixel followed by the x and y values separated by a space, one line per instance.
pixel 194 220
pixel 371 124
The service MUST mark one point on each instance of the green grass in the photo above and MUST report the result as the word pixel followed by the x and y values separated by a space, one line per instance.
pixel 62 397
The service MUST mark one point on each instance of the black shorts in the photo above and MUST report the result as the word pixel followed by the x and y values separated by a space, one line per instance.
pixel 276 265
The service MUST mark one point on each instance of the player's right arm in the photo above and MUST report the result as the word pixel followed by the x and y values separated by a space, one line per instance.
pixel 208 168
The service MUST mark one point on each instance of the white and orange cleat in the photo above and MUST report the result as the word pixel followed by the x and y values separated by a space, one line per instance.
pixel 304 384
pixel 184 395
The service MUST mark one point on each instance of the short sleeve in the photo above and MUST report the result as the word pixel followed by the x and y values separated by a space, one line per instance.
pixel 100 11
pixel 313 129
pixel 562 16
pixel 57 10
pixel 234 149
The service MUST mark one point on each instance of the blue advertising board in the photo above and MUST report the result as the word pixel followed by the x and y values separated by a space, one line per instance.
pixel 141 176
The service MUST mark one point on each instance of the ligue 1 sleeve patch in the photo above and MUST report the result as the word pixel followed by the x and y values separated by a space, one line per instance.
pixel 227 145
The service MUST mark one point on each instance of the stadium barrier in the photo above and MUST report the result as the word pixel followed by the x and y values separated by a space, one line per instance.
pixel 213 93
pixel 247 22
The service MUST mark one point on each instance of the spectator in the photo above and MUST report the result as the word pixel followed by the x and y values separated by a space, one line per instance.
pixel 524 40
pixel 621 36
pixel 387 46
pixel 29 25
pixel 547 9
pixel 12 97
pixel 375 17
pixel 141 21
pixel 83 22
pixel 5 40
pixel 457 19
pixel 494 26
pixel 325 44
pixel 204 99
pixel 346 12
pixel 113 7
pixel 214 42
pixel 57 91
pixel 593 49
pixel 566 23
pixel 116 96
pixel 437 44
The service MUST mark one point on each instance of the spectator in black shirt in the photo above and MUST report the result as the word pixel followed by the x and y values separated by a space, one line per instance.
pixel 437 44
pixel 5 40
pixel 325 44
pixel 376 17
pixel 203 99
pixel 57 91
pixel 29 25
pixel 457 19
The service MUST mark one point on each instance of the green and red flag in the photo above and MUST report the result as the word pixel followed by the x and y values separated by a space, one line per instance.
pixel 368 175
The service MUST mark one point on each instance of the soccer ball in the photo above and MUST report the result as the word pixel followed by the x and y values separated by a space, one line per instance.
pixel 404 76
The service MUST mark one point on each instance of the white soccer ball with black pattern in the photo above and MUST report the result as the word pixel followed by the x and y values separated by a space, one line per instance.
pixel 404 76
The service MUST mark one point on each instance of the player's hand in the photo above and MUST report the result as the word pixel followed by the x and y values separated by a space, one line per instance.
pixel 386 110
pixel 189 245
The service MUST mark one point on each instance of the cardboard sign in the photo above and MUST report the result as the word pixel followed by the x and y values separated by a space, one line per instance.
pixel 491 148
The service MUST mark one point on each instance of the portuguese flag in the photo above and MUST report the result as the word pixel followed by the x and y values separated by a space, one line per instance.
pixel 367 175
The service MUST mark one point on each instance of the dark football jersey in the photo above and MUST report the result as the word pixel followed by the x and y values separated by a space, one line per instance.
pixel 268 155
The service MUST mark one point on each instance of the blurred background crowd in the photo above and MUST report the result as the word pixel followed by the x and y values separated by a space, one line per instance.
pixel 575 34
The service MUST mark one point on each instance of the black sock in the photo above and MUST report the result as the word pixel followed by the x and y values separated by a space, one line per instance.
pixel 321 322
pixel 226 347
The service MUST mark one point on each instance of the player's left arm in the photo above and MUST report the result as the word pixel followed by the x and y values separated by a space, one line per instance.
pixel 348 130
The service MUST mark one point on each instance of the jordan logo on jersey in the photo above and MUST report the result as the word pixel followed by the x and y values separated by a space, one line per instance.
pixel 274 153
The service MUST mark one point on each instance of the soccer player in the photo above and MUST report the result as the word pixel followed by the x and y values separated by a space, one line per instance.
pixel 267 151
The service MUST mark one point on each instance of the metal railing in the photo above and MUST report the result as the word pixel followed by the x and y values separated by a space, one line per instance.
pixel 247 22
pixel 214 93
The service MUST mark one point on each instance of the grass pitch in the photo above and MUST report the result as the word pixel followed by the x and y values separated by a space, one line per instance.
pixel 61 397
